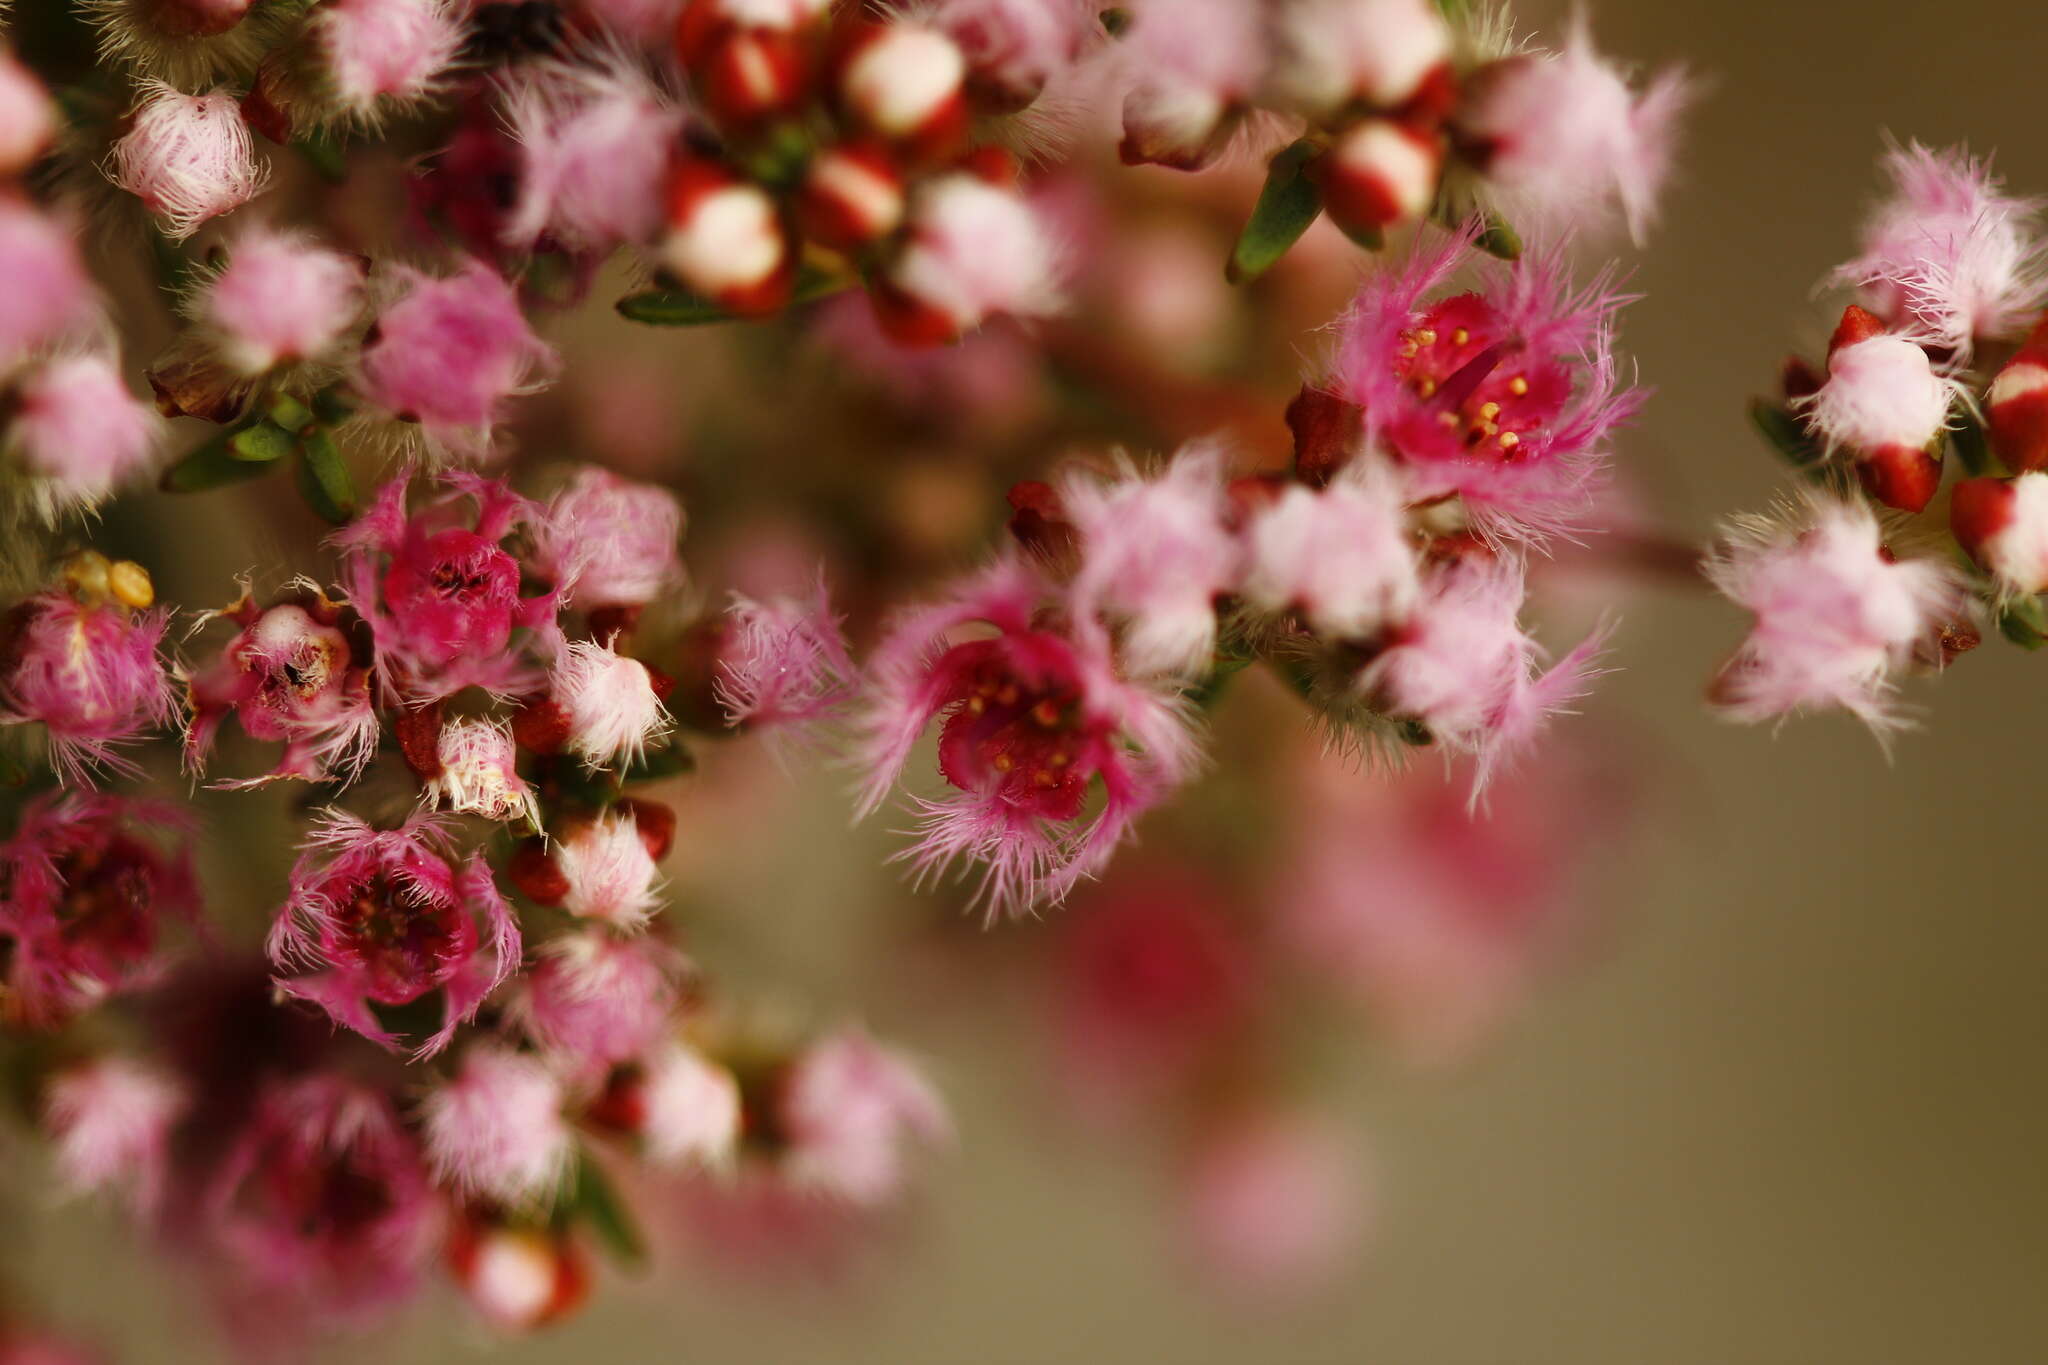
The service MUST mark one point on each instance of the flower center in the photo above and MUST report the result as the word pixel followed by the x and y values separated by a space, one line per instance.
pixel 403 941
pixel 1480 390
pixel 1023 739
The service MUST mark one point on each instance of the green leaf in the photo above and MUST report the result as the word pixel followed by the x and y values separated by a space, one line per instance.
pixel 324 480
pixel 1972 449
pixel 1453 10
pixel 1287 205
pixel 260 444
pixel 1498 238
pixel 592 1200
pixel 674 760
pixel 212 465
pixel 681 308
pixel 1787 435
pixel 2024 621
pixel 289 413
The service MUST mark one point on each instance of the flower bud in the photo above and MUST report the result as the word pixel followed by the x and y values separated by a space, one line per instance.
pixel 79 431
pixel 279 300
pixel 518 1279
pixel 906 84
pixel 1379 173
pixel 974 250
pixel 2016 406
pixel 703 22
pixel 747 75
pixel 2003 525
pixel 193 18
pixel 1178 124
pixel 27 118
pixel 1885 405
pixel 607 872
pixel 852 196
pixel 189 158
pixel 727 241
pixel 1327 430
pixel 476 773
pixel 1383 53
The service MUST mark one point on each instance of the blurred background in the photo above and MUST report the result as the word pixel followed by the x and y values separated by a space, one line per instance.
pixel 1778 1102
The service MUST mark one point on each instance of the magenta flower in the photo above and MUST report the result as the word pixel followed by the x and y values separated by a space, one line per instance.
pixel 1837 616
pixel 290 676
pixel 1274 1205
pixel 610 541
pixel 382 917
pixel 1342 556
pixel 1032 717
pixel 1014 48
pixel 380 55
pixel 496 1130
pixel 1156 555
pixel 1504 396
pixel 188 158
pixel 89 672
pixel 594 146
pixel 440 591
pixel 86 883
pixel 783 667
pixel 323 1204
pixel 80 432
pixel 1335 54
pixel 447 352
pixel 279 300
pixel 846 1108
pixel 47 290
pixel 110 1120
pixel 593 1000
pixel 971 250
pixel 1948 252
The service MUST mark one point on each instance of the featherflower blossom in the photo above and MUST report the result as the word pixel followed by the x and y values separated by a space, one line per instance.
pixel 783 667
pixel 847 1108
pixel 496 1129
pixel 48 292
pixel 188 158
pixel 110 1120
pixel 594 146
pixel 1031 717
pixel 610 541
pixel 1341 555
pixel 377 56
pixel 79 431
pixel 85 665
pixel 280 300
pixel 592 999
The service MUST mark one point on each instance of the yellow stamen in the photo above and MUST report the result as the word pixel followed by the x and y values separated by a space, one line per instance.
pixel 1460 337
pixel 1427 336
pixel 130 585
pixel 1489 411
pixel 1508 440
pixel 1002 763
pixel 1425 386
pixel 1518 386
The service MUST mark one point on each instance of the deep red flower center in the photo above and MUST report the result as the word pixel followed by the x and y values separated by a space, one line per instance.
pixel 404 942
pixel 1478 388
pixel 109 900
pixel 1019 735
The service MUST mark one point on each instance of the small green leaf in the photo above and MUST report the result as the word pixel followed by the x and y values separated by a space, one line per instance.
pixel 593 1200
pixel 1787 435
pixel 1497 237
pixel 674 760
pixel 323 478
pixel 325 156
pixel 1453 10
pixel 1287 205
pixel 2024 621
pixel 1971 447
pixel 289 413
pixel 681 308
pixel 209 466
pixel 259 444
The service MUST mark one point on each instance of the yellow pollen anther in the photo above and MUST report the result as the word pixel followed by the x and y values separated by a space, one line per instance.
pixel 1408 350
pixel 1518 386
pixel 976 705
pixel 85 573
pixel 1008 696
pixel 1449 419
pixel 130 585
pixel 1427 336
pixel 1460 337
pixel 1060 758
pixel 1002 763
pixel 1508 440
pixel 1425 386
pixel 1046 714
pixel 1044 778
pixel 1489 411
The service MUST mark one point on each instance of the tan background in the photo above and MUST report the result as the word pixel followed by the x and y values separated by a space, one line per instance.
pixel 1794 1116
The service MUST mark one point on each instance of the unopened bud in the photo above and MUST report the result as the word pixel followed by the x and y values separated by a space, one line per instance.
pixel 2003 525
pixel 1379 173
pixel 1327 430
pixel 128 583
pixel 518 1279
pixel 749 74
pixel 727 241
pixel 2016 407
pixel 1177 124
pixel 28 119
pixel 906 84
pixel 535 874
pixel 193 18
pixel 852 196
pixel 1904 477
pixel 1885 405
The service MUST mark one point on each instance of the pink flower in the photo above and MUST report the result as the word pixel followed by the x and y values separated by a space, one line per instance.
pixel 88 882
pixel 1155 554
pixel 1192 67
pixel 1273 1205
pixel 189 158
pixel 280 300
pixel 376 54
pixel 440 591
pixel 1949 252
pixel 89 672
pixel 1504 396
pixel 28 118
pixel 479 773
pixel 612 541
pixel 846 1108
pixel 517 1278
pixel 783 667
pixel 48 292
pixel 109 1120
pixel 1014 48
pixel 595 144
pixel 1032 717
pixel 1463 668
pixel 593 1000
pixel 972 250
pixel 448 352
pixel 79 430
pixel 2003 525
pixel 610 873
pixel 609 702
pixel 1342 556
pixel 382 917
pixel 323 1204
pixel 1881 392
pixel 1836 614
pixel 691 1109
pixel 496 1130
pixel 291 676
pixel 1379 52
pixel 1564 135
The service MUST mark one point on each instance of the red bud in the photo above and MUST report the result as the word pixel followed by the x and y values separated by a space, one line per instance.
pixel 1979 509
pixel 2016 406
pixel 1904 477
pixel 747 75
pixel 1326 431
pixel 1857 324
pixel 852 196
pixel 1379 173
pixel 535 874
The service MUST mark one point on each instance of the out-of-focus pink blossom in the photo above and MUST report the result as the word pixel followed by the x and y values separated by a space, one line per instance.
pixel 1504 396
pixel 279 300
pixel 847 1108
pixel 479 772
pixel 1192 66
pixel 289 675
pixel 440 591
pixel 1463 667
pixel 1948 251
pixel 109 1121
pixel 1274 1206
pixel 19 1346
pixel 644 21
pixel 28 118
pixel 189 158
pixel 375 55
pixel 1014 48
pixel 1155 554
pixel 43 278
pixel 80 432
pixel 609 702
pixel 783 667
pixel 610 873
pixel 1334 52
pixel 447 352
pixel 1342 556
pixel 323 1206
pixel 972 250
pixel 592 1000
pixel 691 1109
pixel 382 917
pixel 88 671
pixel 518 1278
pixel 1836 615
pixel 496 1130
pixel 595 145
pixel 2003 525
pixel 1564 135
pixel 1032 717
pixel 612 541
